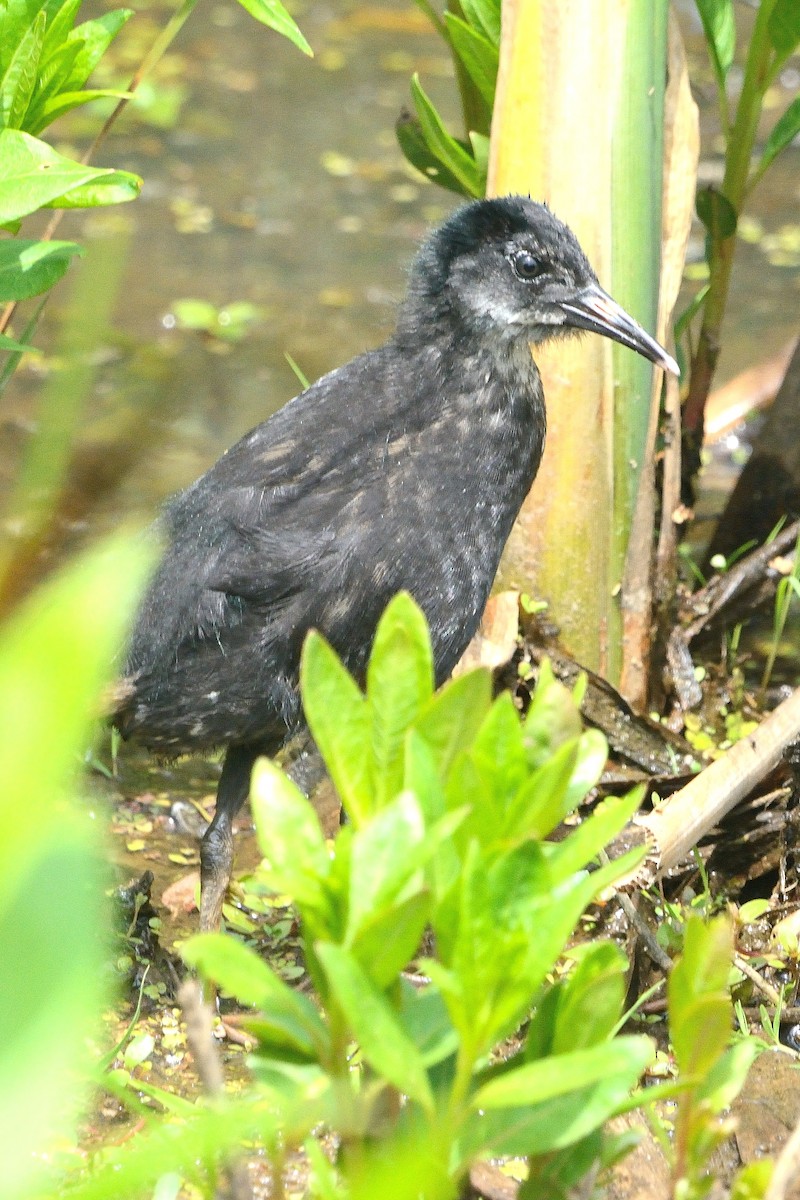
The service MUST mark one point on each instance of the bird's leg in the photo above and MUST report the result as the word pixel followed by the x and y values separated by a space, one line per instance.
pixel 216 848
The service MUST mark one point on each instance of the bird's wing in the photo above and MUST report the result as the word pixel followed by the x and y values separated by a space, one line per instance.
pixel 274 519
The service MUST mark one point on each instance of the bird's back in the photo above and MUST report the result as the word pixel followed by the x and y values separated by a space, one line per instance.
pixel 403 469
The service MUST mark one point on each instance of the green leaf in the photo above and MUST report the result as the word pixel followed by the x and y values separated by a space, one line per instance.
pixel 783 26
pixel 594 833
pixel 383 857
pixel 426 1021
pixel 290 837
pixel 59 26
pixel 108 187
pixel 33 175
pixel 7 343
pixel 384 1043
pixel 563 1119
pixel 478 55
pixel 290 1019
pixel 28 268
pixel 93 39
pixel 55 655
pixel 552 718
pixel 697 993
pixel 717 213
pixel 623 1059
pixel 444 147
pixel 275 16
pixel 388 938
pixel 44 115
pixel 542 802
pixel 450 721
pixel 18 82
pixel 719 26
pixel 399 683
pixel 558 786
pixel 727 1076
pixel 784 131
pixel 339 719
pixel 582 1010
pixel 414 146
pixel 484 15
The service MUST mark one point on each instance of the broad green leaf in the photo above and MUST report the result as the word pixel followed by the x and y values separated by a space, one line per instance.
pixel 424 1017
pixel 697 992
pixel 59 25
pixel 28 268
pixel 727 1076
pixel 7 343
pixel 384 1043
pixel 559 1074
pixel 544 798
pixel 719 26
pixel 499 755
pixel 18 82
pixel 339 719
pixel 44 115
pixel 399 683
pixel 422 777
pixel 701 1034
pixel 275 16
pixel 480 151
pixel 717 213
pixel 383 857
pixel 563 1119
pixel 584 1008
pixel 54 70
pixel 32 175
pixel 444 147
pixel 290 837
pixel 595 832
pixel 485 16
pixel 478 55
pixel 449 722
pixel 93 39
pixel 783 26
pixel 419 154
pixel 290 1019
pixel 704 964
pixel 108 187
pixel 55 655
pixel 388 938
pixel 552 718
pixel 782 134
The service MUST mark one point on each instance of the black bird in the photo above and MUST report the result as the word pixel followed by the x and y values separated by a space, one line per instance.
pixel 403 469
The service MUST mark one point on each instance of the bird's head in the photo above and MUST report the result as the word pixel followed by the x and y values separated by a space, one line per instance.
pixel 508 268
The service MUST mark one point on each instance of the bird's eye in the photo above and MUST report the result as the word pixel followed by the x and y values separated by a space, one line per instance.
pixel 527 266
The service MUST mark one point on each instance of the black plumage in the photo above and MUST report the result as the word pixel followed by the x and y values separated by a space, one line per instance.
pixel 403 469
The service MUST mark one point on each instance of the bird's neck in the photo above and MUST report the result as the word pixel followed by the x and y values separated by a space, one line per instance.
pixel 483 401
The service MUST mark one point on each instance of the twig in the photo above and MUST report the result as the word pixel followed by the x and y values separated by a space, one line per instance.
pixel 677 825
pixel 752 974
pixel 200 1038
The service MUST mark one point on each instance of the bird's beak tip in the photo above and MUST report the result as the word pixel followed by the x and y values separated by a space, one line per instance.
pixel 595 310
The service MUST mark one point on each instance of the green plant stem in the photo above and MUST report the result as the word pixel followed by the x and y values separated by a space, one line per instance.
pixel 738 154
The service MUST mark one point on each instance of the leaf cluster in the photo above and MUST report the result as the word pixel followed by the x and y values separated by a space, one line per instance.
pixel 471 30
pixel 776 36
pixel 451 799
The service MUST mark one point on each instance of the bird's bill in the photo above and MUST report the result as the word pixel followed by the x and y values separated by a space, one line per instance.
pixel 595 310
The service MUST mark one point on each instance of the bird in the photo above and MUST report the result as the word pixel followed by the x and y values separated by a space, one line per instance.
pixel 402 470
